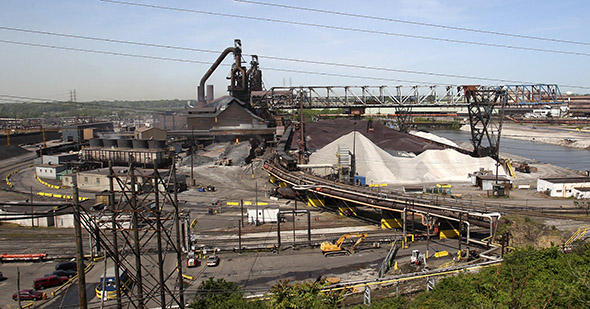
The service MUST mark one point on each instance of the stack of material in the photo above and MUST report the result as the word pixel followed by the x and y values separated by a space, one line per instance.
pixel 378 166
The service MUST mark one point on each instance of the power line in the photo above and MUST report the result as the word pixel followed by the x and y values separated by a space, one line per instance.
pixel 351 29
pixel 203 62
pixel 75 36
pixel 418 23
pixel 28 98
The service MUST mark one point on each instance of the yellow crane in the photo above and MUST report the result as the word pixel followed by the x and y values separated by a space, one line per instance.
pixel 329 248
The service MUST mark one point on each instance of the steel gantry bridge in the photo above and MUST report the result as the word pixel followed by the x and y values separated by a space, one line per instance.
pixel 396 96
pixel 485 104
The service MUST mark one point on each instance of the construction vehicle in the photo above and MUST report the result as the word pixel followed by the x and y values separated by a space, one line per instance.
pixel 335 247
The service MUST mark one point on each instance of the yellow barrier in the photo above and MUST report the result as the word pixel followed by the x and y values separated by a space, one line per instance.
pixel 452 233
pixel 66 197
pixel 316 202
pixel 391 223
pixel 47 184
pixel 8 182
pixel 259 203
pixel 441 254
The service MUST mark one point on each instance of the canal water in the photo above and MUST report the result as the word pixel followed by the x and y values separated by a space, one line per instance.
pixel 573 158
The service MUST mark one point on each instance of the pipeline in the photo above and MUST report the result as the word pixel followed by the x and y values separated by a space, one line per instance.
pixel 237 51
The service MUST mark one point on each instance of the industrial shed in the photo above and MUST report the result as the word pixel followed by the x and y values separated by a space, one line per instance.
pixel 49 171
pixel 562 187
pixel 59 158
pixel 487 182
pixel 581 193
pixel 150 133
pixel 85 131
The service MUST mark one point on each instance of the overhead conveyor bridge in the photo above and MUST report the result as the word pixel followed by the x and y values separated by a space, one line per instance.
pixel 385 201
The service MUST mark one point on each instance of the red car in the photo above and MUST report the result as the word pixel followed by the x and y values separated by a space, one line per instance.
pixel 30 295
pixel 47 282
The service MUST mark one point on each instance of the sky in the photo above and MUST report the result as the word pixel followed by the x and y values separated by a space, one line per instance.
pixel 110 73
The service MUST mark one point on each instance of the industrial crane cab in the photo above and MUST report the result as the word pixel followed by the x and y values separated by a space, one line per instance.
pixel 331 248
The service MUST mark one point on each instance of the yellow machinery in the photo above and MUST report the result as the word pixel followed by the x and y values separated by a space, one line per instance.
pixel 329 248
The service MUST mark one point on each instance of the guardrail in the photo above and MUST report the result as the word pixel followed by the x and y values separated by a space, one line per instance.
pixel 407 277
pixel 41 181
pixel 63 196
pixel 8 182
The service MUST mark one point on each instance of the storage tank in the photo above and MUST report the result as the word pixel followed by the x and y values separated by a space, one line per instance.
pixel 140 143
pixel 96 142
pixel 124 143
pixel 110 143
pixel 157 144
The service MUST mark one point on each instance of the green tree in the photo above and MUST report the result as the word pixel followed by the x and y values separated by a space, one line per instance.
pixel 221 294
pixel 303 295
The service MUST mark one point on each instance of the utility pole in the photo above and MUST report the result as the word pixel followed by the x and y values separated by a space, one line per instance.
pixel 353 150
pixel 192 155
pixel 32 213
pixel 156 178
pixel 114 230
pixel 18 286
pixel 135 223
pixel 177 228
pixel 79 250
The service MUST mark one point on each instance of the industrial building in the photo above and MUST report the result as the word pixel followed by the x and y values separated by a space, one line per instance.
pixel 226 113
pixel 150 133
pixel 562 187
pixel 49 171
pixel 121 151
pixel 98 180
pixel 85 131
pixel 487 182
pixel 581 193
pixel 59 158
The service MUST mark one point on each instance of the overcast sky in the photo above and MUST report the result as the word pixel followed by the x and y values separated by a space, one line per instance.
pixel 41 72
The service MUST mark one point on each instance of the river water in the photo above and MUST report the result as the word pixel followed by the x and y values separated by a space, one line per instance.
pixel 573 158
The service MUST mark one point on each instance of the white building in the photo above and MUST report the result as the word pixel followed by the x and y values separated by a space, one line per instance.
pixel 562 187
pixel 265 215
pixel 49 171
pixel 581 193
pixel 57 220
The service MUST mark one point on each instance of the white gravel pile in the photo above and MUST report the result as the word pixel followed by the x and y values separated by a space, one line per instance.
pixel 378 166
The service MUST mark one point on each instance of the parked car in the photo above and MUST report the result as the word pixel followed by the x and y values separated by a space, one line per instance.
pixel 63 273
pixel 213 260
pixel 47 282
pixel 66 265
pixel 30 294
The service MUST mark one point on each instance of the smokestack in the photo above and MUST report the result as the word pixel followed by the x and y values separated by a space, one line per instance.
pixel 210 94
